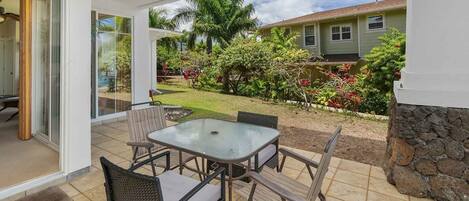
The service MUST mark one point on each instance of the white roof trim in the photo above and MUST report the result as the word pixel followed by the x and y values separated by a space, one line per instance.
pixel 156 34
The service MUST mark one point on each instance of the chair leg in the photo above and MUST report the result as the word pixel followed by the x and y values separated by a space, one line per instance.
pixel 321 196
pixel 153 164
pixel 253 189
pixel 134 157
pixel 198 168
pixel 282 163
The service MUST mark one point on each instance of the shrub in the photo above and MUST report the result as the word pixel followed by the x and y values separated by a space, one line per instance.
pixel 339 90
pixel 386 61
pixel 242 60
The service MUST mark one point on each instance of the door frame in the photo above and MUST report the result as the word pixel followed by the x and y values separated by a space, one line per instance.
pixel 25 78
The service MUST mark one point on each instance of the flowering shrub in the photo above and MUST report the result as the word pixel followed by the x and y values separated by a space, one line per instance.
pixel 339 91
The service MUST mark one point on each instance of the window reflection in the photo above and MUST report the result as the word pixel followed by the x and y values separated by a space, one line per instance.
pixel 113 64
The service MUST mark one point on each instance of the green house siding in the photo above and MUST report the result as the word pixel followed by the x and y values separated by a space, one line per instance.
pixel 339 47
pixel 370 39
pixel 299 29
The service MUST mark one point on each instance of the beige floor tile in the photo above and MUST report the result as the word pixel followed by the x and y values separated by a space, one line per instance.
pixel 377 172
pixel 354 166
pixel 96 194
pixel 352 178
pixel 69 190
pixel 305 177
pixel 383 187
pixel 80 198
pixel 114 146
pixel 346 192
pixel 98 139
pixel 294 164
pixel 373 196
pixel 292 173
pixel 111 157
pixel 88 181
pixel 122 137
pixel 127 155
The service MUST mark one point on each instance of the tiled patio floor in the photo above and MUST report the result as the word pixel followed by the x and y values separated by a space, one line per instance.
pixel 346 180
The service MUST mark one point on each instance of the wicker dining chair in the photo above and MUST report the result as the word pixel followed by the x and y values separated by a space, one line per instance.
pixel 141 122
pixel 126 185
pixel 270 185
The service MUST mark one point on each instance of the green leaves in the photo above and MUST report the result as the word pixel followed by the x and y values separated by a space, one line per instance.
pixel 386 61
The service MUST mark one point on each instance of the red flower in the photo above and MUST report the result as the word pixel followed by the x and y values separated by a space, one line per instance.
pixel 305 83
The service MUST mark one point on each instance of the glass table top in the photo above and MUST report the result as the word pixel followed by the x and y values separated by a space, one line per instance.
pixel 219 140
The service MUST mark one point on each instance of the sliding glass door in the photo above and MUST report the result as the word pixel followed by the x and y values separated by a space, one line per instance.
pixel 111 64
pixel 46 70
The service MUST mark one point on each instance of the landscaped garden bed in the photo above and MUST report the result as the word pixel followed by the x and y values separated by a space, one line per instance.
pixel 363 140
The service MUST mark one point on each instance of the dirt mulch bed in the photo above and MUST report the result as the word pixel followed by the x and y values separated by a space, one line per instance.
pixel 362 140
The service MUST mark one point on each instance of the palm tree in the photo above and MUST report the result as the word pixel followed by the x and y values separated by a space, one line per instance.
pixel 219 20
pixel 158 19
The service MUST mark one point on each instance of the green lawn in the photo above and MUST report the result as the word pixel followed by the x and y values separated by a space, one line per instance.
pixel 205 104
pixel 363 140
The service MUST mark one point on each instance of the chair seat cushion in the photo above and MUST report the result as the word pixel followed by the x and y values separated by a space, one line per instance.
pixel 174 186
pixel 264 155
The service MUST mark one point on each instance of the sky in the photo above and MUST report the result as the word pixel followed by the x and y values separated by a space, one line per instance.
pixel 270 11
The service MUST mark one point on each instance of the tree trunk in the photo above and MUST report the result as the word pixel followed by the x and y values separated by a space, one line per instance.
pixel 226 82
pixel 209 44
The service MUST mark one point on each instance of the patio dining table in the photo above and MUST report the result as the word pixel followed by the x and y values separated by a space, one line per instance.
pixel 221 141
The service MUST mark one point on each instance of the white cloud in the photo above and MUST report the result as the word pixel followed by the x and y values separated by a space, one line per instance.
pixel 270 11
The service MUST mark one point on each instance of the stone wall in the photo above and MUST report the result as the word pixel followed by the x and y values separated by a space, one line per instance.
pixel 428 151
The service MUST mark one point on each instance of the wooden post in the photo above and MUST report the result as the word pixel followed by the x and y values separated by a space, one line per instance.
pixel 24 131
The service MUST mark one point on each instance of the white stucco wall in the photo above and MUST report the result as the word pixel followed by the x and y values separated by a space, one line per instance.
pixel 437 69
pixel 76 86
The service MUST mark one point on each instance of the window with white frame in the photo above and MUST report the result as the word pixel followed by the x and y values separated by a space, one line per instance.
pixel 310 37
pixel 341 32
pixel 287 31
pixel 376 22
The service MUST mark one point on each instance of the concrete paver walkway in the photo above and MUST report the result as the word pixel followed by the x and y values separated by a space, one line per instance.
pixel 346 180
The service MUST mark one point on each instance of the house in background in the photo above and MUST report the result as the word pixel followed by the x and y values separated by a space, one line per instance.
pixel 345 34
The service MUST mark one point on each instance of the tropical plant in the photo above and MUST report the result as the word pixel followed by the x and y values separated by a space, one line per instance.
pixel 158 18
pixel 280 41
pixel 385 62
pixel 219 20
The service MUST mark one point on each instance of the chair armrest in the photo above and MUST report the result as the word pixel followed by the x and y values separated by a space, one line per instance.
pixel 279 190
pixel 138 165
pixel 298 157
pixel 147 145
pixel 219 171
pixel 153 103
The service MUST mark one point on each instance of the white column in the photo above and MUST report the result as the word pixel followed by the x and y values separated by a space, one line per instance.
pixel 437 68
pixel 142 59
pixel 76 86
pixel 154 63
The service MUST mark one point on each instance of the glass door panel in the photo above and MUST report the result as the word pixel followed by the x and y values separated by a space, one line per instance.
pixel 113 41
pixel 46 69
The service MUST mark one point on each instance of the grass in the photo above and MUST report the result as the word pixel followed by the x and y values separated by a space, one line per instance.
pixel 206 104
